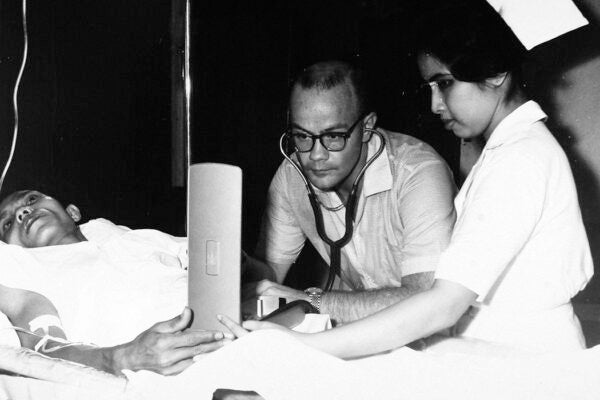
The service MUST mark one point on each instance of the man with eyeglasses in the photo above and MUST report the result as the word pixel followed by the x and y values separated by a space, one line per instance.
pixel 404 211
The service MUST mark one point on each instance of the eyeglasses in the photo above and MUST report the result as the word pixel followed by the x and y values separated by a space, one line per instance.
pixel 332 141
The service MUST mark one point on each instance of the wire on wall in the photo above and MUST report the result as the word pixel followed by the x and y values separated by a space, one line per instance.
pixel 188 84
pixel 15 94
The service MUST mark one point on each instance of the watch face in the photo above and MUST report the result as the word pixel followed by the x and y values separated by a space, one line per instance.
pixel 313 290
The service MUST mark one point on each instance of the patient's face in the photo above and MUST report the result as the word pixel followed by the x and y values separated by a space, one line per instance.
pixel 29 218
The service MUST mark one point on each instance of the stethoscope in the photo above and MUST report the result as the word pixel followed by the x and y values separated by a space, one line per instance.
pixel 335 246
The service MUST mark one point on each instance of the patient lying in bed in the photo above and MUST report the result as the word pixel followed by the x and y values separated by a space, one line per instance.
pixel 107 284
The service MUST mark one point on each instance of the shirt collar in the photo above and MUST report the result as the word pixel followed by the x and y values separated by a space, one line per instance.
pixel 509 128
pixel 378 177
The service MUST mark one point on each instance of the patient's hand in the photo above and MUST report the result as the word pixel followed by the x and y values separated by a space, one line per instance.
pixel 167 348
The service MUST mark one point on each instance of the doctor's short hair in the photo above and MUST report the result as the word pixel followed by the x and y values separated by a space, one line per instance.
pixel 325 75
pixel 472 39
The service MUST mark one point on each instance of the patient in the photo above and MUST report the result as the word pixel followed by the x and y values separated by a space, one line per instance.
pixel 97 283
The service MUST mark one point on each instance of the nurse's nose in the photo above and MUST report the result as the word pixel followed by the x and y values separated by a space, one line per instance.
pixel 437 100
pixel 318 152
pixel 22 212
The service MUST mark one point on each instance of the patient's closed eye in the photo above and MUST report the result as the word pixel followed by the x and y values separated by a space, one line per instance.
pixel 6 225
pixel 32 198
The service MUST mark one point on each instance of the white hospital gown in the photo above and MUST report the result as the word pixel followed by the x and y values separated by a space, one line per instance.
pixel 109 289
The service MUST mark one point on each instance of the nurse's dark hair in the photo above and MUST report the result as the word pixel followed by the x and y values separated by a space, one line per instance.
pixel 325 75
pixel 473 40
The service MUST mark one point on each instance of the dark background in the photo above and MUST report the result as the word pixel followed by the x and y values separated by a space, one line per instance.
pixel 94 107
pixel 245 54
pixel 95 99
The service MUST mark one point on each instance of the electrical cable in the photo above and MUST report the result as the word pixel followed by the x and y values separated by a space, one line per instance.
pixel 15 94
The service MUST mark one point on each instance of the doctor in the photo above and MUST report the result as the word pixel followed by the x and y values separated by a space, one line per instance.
pixel 391 194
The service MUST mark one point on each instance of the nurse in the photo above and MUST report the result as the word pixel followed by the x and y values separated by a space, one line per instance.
pixel 519 251
pixel 519 243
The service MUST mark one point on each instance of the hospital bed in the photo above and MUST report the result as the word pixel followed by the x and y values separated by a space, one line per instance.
pixel 27 375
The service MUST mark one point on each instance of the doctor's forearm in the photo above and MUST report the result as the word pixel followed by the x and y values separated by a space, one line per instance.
pixel 349 306
pixel 344 307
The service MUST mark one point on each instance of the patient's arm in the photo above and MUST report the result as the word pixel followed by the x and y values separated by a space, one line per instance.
pixel 21 307
pixel 166 347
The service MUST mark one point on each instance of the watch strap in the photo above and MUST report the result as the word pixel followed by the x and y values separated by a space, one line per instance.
pixel 315 301
pixel 315 295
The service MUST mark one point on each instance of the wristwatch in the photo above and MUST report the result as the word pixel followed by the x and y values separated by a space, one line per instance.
pixel 315 293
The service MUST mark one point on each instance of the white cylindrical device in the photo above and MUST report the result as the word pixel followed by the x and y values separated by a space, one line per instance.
pixel 214 234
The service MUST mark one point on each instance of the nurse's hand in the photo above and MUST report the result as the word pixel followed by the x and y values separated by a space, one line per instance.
pixel 247 326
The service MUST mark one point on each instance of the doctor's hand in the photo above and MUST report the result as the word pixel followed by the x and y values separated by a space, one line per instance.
pixel 268 288
pixel 167 347
pixel 241 330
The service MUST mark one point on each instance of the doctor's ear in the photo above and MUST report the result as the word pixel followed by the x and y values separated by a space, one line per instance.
pixel 370 122
pixel 73 212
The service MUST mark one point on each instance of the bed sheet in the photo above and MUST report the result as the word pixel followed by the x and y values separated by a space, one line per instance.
pixel 276 366
pixel 29 375
pixel 24 388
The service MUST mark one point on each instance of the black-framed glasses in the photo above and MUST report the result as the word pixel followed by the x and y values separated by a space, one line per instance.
pixel 332 141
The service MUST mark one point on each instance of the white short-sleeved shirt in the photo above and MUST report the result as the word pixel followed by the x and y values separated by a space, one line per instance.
pixel 404 216
pixel 519 240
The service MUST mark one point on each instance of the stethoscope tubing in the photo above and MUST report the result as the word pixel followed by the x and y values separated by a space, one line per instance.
pixel 335 246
